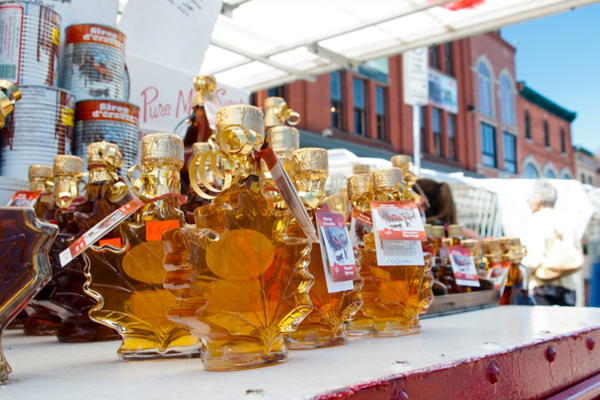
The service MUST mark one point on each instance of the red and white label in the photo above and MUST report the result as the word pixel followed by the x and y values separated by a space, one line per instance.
pixel 155 229
pixel 107 110
pixel 336 250
pixel 463 266
pixel 99 230
pixel 23 198
pixel 95 34
pixel 362 224
pixel 11 36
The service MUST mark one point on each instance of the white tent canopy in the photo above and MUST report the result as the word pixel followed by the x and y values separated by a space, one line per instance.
pixel 258 44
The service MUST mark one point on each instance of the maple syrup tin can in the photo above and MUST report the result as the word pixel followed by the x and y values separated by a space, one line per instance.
pixel 94 62
pixel 40 128
pixel 109 120
pixel 29 39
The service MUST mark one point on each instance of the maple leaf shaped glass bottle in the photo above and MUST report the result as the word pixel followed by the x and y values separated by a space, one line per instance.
pixel 394 296
pixel 40 179
pixel 193 199
pixel 284 140
pixel 325 325
pixel 127 281
pixel 516 290
pixel 44 314
pixel 106 192
pixel 241 282
pixel 24 264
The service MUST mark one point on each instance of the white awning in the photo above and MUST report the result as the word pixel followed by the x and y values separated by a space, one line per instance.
pixel 258 44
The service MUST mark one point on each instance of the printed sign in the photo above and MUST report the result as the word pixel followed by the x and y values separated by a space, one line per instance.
pixel 11 26
pixel 24 198
pixel 415 78
pixel 465 272
pixel 99 230
pixel 398 233
pixel 155 229
pixel 443 92
pixel 362 223
pixel 336 250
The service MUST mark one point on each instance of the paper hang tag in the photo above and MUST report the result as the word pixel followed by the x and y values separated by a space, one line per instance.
pixel 155 229
pixel 498 274
pixel 289 193
pixel 99 230
pixel 398 233
pixel 361 224
pixel 24 198
pixel 336 250
pixel 463 266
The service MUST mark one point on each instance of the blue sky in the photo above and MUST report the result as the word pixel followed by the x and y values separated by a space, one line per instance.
pixel 559 56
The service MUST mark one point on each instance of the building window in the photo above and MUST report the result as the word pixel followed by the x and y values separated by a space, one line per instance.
pixel 582 178
pixel 546 134
pixel 278 91
pixel 336 100
pixel 360 123
pixel 527 125
pixel 381 107
pixel 423 128
pixel 507 104
pixel 448 56
pixel 531 172
pixel 437 131
pixel 590 180
pixel 550 174
pixel 510 152
pixel 563 140
pixel 485 85
pixel 488 145
pixel 434 59
pixel 452 136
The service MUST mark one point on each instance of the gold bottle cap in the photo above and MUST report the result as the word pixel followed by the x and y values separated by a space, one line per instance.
pixel 507 242
pixel 240 129
pixel 277 112
pixel 491 246
pixel 402 161
pixel 162 147
pixel 387 178
pixel 428 230
pixel 205 86
pixel 359 185
pixel 67 165
pixel 455 231
pixel 200 147
pixel 40 171
pixel 438 232
pixel 101 153
pixel 284 139
pixel 311 159
pixel 361 169
pixel 471 243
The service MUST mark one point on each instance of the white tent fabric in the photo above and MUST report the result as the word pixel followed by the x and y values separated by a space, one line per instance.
pixel 258 44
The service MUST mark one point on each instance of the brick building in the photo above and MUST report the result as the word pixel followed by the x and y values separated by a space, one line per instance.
pixel 475 122
pixel 587 167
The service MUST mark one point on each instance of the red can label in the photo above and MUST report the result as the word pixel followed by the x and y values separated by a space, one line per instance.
pixel 106 110
pixel 95 34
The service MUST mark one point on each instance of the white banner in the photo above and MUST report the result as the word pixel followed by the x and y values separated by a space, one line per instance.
pixel 415 77
pixel 165 94
pixel 443 92
pixel 170 32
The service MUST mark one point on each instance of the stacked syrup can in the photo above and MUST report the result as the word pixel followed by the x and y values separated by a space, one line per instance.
pixel 42 124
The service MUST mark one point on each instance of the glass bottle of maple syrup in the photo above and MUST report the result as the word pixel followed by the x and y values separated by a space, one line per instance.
pixel 277 113
pixel 476 249
pixel 284 140
pixel 40 179
pixel 240 280
pixel 404 162
pixel 438 233
pixel 44 318
pixel 24 264
pixel 516 289
pixel 106 192
pixel 445 272
pixel 493 255
pixel 127 282
pixel 193 199
pixel 324 326
pixel 394 296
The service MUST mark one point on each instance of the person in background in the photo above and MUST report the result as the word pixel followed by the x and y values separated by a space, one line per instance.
pixel 439 205
pixel 554 252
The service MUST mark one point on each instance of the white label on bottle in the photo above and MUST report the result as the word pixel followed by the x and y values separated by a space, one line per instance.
pixel 11 25
pixel 465 272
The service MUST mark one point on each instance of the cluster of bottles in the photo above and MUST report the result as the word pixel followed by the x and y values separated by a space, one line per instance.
pixel 231 275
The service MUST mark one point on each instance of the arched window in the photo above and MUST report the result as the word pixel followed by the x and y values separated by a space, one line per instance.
pixel 531 172
pixel 485 85
pixel 507 101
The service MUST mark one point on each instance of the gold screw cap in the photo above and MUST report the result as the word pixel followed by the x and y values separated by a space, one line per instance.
pixel 162 147
pixel 67 165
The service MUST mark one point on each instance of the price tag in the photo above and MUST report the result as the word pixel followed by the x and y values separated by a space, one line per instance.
pixel 155 229
pixel 115 242
pixel 336 250
pixel 498 274
pixel 361 224
pixel 399 231
pixel 23 198
pixel 99 230
pixel 288 192
pixel 463 266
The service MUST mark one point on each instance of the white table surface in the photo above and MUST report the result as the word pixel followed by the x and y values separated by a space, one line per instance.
pixel 44 369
